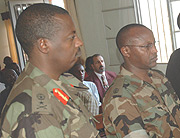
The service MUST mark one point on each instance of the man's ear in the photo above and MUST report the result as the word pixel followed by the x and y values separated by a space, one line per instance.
pixel 125 51
pixel 43 45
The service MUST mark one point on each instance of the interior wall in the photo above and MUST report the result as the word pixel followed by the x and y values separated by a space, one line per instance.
pixel 4 45
pixel 100 21
pixel 94 33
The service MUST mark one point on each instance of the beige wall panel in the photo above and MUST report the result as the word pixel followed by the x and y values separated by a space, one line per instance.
pixel 114 20
pixel 114 4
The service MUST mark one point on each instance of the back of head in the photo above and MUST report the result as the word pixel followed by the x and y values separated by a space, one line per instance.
pixel 124 36
pixel 7 60
pixel 37 21
pixel 88 64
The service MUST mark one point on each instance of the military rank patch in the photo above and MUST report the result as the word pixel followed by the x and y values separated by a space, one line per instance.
pixel 60 95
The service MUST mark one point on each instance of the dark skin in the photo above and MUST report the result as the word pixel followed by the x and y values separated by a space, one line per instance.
pixel 78 72
pixel 58 55
pixel 139 60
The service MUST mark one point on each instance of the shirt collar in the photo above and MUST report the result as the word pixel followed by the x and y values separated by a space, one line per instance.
pixel 99 75
pixel 155 76
pixel 130 76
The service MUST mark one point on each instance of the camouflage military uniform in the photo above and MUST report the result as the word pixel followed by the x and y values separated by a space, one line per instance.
pixel 132 105
pixel 88 98
pixel 32 110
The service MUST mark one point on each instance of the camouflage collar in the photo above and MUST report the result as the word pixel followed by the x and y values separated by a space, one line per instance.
pixel 127 74
pixel 71 80
pixel 36 74
pixel 45 81
pixel 41 78
pixel 154 75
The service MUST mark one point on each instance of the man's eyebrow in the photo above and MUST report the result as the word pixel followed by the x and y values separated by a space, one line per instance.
pixel 73 32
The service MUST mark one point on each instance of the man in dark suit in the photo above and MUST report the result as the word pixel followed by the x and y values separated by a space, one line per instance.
pixel 100 77
pixel 173 67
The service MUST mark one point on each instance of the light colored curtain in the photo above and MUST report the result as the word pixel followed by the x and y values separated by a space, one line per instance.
pixel 12 46
pixel 70 6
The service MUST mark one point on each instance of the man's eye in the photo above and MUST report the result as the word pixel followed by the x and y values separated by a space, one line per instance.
pixel 149 45
pixel 73 37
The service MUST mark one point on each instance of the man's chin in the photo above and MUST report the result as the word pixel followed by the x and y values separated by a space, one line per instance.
pixel 101 71
pixel 153 64
pixel 70 65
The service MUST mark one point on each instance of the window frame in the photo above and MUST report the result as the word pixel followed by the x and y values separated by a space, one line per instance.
pixel 171 24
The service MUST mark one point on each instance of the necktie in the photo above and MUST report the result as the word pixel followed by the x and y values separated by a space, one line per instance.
pixel 105 84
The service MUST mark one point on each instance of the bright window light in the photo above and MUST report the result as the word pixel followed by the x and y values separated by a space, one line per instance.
pixel 154 15
pixel 59 3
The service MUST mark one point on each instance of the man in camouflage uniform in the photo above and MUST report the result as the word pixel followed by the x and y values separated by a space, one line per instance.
pixel 141 102
pixel 88 98
pixel 41 103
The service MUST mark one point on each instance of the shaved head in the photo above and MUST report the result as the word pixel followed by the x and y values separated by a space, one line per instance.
pixel 125 34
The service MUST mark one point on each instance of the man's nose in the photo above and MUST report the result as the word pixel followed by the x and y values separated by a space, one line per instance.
pixel 154 49
pixel 101 63
pixel 78 43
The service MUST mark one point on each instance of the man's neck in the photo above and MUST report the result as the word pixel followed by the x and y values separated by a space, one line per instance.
pixel 140 73
pixel 46 68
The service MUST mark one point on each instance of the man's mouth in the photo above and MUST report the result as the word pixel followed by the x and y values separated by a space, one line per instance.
pixel 101 67
pixel 155 58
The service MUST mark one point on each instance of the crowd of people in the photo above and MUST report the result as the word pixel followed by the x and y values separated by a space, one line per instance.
pixel 56 96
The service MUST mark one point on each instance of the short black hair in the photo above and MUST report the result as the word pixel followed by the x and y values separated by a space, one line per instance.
pixel 122 35
pixel 37 21
pixel 7 60
pixel 88 63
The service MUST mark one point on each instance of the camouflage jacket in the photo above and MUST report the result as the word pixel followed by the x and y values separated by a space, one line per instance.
pixel 33 111
pixel 87 97
pixel 134 108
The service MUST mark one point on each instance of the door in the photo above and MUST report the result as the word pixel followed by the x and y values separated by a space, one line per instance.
pixel 15 8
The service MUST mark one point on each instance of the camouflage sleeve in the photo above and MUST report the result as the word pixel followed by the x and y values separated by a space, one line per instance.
pixel 168 84
pixel 121 117
pixel 30 125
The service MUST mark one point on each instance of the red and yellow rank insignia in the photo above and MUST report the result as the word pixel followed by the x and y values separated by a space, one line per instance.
pixel 60 95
